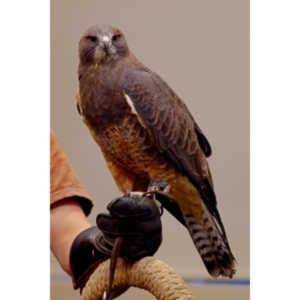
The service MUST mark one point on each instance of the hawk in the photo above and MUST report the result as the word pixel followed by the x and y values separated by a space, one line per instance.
pixel 146 132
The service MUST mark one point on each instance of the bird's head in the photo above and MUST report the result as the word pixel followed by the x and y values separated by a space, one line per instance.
pixel 102 44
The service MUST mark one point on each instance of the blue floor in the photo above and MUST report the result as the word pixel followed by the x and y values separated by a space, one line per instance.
pixel 202 281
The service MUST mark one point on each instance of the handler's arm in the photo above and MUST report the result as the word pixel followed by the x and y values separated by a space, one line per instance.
pixel 67 221
pixel 70 204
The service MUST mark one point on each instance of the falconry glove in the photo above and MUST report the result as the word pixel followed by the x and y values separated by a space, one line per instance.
pixel 135 219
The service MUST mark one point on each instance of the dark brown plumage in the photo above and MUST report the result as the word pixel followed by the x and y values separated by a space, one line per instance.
pixel 146 132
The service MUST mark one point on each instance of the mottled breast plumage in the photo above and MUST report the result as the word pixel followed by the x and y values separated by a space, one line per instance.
pixel 129 145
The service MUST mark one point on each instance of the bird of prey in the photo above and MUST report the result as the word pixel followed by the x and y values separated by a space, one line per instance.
pixel 146 133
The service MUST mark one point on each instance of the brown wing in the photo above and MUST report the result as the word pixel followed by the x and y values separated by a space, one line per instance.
pixel 202 140
pixel 173 130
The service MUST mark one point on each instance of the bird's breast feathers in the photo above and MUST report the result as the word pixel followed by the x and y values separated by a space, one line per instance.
pixel 128 145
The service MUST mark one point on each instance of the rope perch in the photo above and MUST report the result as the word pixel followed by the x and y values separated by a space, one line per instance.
pixel 148 273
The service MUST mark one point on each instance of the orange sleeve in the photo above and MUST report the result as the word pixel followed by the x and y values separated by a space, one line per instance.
pixel 64 182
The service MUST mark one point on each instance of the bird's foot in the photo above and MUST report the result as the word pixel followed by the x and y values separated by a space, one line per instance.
pixel 158 185
pixel 136 194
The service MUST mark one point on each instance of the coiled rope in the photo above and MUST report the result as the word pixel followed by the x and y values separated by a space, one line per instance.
pixel 148 273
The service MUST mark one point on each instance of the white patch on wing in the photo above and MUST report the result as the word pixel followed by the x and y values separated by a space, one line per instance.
pixel 130 103
pixel 133 110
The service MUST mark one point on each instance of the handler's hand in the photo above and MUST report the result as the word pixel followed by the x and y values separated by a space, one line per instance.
pixel 136 219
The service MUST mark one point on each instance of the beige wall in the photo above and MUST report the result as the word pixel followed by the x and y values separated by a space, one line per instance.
pixel 201 48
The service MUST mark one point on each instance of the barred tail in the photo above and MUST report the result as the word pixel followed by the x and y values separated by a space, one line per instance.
pixel 211 244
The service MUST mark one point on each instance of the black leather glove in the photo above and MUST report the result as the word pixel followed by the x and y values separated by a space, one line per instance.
pixel 135 219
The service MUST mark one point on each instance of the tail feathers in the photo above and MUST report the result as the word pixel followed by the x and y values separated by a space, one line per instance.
pixel 211 244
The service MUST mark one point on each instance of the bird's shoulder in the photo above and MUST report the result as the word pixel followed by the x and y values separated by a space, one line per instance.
pixel 145 82
pixel 161 107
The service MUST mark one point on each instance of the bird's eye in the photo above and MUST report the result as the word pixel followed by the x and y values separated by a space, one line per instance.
pixel 116 37
pixel 92 38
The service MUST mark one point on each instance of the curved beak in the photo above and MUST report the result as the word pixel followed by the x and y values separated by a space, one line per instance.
pixel 105 42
